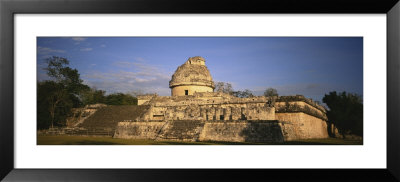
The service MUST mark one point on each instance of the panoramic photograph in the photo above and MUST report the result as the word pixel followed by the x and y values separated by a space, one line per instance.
pixel 199 91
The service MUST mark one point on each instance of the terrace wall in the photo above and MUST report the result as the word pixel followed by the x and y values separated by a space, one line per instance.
pixel 190 130
pixel 302 126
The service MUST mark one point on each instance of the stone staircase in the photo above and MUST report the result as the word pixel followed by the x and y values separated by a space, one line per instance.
pixel 186 130
pixel 108 117
pixel 101 121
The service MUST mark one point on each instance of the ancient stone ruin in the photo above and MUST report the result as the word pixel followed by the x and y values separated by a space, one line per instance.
pixel 192 76
pixel 194 112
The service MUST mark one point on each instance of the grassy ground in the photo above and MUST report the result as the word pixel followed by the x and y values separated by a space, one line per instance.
pixel 84 140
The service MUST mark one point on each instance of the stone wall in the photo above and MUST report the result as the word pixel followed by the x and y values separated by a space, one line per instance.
pixel 229 131
pixel 142 99
pixel 300 98
pixel 280 105
pixel 302 126
pixel 180 90
pixel 242 131
pixel 138 130
pixel 296 106
pixel 209 106
pixel 210 116
pixel 248 111
pixel 183 130
pixel 76 131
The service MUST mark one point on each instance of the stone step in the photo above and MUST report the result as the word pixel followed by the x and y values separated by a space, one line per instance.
pixel 181 130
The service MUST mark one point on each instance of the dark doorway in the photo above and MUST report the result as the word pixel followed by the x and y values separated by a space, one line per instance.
pixel 186 92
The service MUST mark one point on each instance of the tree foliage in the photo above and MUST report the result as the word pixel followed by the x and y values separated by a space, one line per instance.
pixel 243 94
pixel 120 99
pixel 67 78
pixel 93 96
pixel 57 68
pixel 65 90
pixel 53 104
pixel 223 87
pixel 345 112
pixel 270 92
pixel 56 97
pixel 228 89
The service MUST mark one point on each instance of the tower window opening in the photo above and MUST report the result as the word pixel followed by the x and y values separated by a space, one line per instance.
pixel 186 92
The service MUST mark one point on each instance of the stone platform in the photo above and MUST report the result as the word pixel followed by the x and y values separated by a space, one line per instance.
pixel 200 130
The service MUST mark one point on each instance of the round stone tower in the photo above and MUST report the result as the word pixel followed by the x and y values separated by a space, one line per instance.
pixel 192 76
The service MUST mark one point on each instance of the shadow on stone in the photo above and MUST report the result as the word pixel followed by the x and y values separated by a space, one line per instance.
pixel 330 129
pixel 186 130
pixel 262 131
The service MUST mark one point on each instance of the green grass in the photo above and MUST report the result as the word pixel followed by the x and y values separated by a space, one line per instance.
pixel 85 140
pixel 326 141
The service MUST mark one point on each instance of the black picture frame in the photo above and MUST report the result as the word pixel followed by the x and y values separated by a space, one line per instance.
pixel 8 8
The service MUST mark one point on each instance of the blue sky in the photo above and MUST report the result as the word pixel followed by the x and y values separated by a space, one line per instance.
pixel 310 66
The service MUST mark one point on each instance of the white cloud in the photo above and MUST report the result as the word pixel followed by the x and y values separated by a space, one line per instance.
pixel 79 39
pixel 143 77
pixel 102 45
pixel 123 64
pixel 48 51
pixel 86 49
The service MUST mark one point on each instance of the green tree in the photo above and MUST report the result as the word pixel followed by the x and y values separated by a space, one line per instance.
pixel 227 88
pixel 58 70
pixel 120 99
pixel 93 96
pixel 270 92
pixel 58 95
pixel 345 112
pixel 53 104
pixel 243 94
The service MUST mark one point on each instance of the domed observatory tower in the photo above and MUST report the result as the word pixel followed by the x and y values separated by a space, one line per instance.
pixel 192 76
